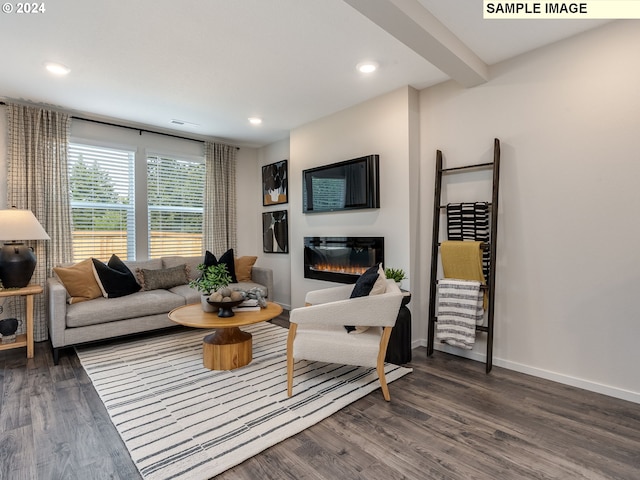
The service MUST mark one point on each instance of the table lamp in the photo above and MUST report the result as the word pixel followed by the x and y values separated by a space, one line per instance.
pixel 17 261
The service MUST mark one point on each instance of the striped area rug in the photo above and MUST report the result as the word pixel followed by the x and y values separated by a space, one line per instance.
pixel 180 420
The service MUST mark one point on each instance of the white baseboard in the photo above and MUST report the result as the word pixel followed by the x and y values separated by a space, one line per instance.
pixel 538 372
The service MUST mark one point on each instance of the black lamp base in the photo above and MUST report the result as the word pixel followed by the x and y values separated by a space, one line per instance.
pixel 17 263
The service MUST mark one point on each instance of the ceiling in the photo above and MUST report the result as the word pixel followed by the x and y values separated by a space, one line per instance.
pixel 214 63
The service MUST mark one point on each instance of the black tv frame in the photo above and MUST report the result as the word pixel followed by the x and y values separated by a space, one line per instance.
pixel 372 164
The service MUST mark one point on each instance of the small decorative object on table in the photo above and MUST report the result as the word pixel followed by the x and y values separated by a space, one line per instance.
pixel 225 309
pixel 248 305
pixel 255 294
pixel 224 300
pixel 212 279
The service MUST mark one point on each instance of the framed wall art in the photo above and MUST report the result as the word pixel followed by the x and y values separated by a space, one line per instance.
pixel 275 183
pixel 275 232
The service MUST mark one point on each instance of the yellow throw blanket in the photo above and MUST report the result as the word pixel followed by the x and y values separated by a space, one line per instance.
pixel 462 260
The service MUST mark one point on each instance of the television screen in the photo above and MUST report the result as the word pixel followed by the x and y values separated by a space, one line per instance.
pixel 347 185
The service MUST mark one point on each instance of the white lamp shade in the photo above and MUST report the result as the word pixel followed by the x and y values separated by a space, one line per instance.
pixel 16 225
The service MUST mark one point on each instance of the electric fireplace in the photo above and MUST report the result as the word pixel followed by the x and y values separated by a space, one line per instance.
pixel 341 259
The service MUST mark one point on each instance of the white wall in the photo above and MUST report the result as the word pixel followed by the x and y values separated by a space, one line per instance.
pixel 379 126
pixel 280 263
pixel 568 257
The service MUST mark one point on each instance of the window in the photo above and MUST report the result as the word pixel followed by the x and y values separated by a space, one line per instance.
pixel 175 198
pixel 101 181
pixel 104 195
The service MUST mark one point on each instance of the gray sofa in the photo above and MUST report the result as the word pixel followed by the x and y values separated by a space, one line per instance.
pixel 103 318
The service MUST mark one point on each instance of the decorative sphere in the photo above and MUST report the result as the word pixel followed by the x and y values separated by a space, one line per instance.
pixel 235 295
pixel 224 291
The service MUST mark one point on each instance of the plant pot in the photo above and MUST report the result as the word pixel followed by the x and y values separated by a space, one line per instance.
pixel 206 306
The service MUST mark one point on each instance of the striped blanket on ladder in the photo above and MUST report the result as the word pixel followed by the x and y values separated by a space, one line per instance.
pixel 459 311
pixel 470 221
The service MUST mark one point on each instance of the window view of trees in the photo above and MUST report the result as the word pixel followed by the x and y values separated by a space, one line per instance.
pixel 103 190
pixel 175 198
pixel 92 188
pixel 175 191
pixel 101 184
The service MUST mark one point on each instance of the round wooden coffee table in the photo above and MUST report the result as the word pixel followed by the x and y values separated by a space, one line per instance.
pixel 228 347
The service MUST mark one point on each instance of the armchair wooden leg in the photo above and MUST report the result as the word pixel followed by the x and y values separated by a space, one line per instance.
pixel 383 382
pixel 292 334
pixel 384 342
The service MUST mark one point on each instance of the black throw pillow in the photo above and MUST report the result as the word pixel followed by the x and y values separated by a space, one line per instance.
pixel 227 258
pixel 365 282
pixel 363 287
pixel 115 278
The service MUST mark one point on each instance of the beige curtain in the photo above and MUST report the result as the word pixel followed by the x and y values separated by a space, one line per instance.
pixel 220 198
pixel 38 181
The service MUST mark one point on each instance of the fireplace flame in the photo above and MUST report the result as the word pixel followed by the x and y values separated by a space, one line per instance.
pixel 349 269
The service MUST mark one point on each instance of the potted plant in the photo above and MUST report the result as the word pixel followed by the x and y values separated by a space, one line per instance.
pixel 212 278
pixel 395 274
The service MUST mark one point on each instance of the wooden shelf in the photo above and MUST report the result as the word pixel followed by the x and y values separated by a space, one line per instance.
pixel 24 339
pixel 21 341
pixel 14 292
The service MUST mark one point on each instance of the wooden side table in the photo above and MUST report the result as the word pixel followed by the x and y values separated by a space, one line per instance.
pixel 24 339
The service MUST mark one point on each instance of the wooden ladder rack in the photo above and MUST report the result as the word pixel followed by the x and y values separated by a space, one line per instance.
pixel 493 229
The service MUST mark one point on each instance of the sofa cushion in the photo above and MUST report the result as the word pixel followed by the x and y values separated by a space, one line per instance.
pixel 243 266
pixel 139 304
pixel 321 342
pixel 226 258
pixel 162 278
pixel 134 265
pixel 79 280
pixel 190 295
pixel 114 278
pixel 191 263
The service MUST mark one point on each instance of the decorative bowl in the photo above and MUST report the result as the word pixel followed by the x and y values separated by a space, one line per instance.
pixel 225 308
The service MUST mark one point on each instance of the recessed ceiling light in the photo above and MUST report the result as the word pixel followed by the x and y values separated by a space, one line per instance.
pixel 367 67
pixel 57 68
pixel 255 120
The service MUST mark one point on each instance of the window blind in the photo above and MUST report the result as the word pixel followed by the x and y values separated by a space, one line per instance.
pixel 102 187
pixel 175 196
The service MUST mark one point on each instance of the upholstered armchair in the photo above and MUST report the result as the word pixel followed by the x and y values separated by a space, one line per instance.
pixel 317 330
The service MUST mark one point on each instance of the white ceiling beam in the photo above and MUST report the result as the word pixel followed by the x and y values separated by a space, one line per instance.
pixel 418 29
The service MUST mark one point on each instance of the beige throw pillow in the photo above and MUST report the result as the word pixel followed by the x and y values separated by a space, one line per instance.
pixel 381 283
pixel 243 266
pixel 79 280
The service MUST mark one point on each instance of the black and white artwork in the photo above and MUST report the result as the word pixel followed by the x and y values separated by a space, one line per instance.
pixel 275 183
pixel 275 232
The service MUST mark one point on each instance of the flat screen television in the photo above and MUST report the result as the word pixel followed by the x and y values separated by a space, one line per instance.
pixel 349 185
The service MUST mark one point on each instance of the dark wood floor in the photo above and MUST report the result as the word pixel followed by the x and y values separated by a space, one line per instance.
pixel 446 420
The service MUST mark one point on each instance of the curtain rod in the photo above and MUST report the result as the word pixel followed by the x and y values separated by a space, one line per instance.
pixel 140 130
